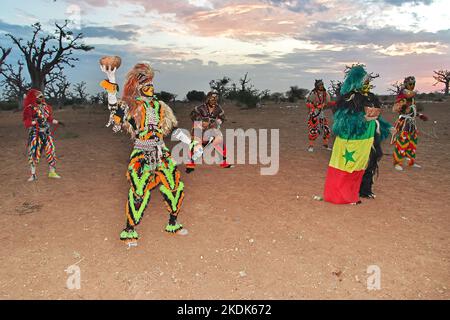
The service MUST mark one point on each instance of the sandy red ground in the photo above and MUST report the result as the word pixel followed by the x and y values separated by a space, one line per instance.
pixel 250 236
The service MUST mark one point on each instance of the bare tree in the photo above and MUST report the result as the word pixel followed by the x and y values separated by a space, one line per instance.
pixel 373 76
pixel 79 92
pixel 14 83
pixel 244 81
pixel 57 89
pixel 335 88
pixel 45 52
pixel 5 53
pixel 395 88
pixel 443 76
pixel 99 98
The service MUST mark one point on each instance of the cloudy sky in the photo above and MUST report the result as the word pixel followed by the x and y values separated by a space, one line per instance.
pixel 279 43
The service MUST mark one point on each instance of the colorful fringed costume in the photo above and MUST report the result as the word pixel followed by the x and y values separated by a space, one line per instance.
pixel 317 101
pixel 406 136
pixel 148 120
pixel 359 129
pixel 38 117
pixel 207 119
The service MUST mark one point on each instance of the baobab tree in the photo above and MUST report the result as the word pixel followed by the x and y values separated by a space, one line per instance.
pixel 14 83
pixel 45 52
pixel 443 76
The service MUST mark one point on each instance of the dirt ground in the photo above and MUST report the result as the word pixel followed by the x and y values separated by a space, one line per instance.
pixel 250 236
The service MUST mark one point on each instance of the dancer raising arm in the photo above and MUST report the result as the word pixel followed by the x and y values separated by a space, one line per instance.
pixel 147 120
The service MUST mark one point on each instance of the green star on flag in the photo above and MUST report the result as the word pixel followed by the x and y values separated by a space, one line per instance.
pixel 348 156
pixel 347 165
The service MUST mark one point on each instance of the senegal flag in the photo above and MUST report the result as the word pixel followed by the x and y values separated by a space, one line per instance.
pixel 347 165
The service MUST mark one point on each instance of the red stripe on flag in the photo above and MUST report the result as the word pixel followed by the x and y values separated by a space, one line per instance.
pixel 342 187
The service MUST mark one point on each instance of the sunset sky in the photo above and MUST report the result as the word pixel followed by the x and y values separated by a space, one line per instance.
pixel 279 43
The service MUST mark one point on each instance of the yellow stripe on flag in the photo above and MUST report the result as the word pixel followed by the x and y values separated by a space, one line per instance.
pixel 351 155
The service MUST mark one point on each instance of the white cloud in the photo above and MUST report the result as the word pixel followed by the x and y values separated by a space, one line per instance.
pixel 201 3
pixel 402 49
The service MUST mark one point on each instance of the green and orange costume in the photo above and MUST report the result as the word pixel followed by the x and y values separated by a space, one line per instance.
pixel 148 120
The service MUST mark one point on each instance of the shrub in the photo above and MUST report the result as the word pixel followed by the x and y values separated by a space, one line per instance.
pixel 8 105
pixel 195 95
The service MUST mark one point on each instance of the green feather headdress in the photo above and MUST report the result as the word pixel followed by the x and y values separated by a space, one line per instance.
pixel 354 79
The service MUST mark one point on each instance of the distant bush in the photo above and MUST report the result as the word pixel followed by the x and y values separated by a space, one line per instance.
pixel 277 97
pixel 8 105
pixel 295 93
pixel 249 98
pixel 195 95
pixel 432 96
pixel 167 97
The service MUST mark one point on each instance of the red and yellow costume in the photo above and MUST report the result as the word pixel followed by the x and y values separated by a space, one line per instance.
pixel 317 101
pixel 406 137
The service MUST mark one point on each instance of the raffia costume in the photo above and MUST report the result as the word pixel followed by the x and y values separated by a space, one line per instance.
pixel 359 129
pixel 148 120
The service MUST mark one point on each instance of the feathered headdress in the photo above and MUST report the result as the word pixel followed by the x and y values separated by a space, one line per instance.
pixel 140 74
pixel 354 79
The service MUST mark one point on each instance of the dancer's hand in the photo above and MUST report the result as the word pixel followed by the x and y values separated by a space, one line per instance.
pixel 196 145
pixel 33 123
pixel 218 123
pixel 370 118
pixel 372 112
pixel 110 73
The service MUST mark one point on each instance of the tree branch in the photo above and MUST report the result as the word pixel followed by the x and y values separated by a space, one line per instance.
pixel 5 53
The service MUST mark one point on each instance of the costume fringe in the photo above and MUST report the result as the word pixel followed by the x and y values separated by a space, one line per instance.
pixel 348 123
pixel 169 120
